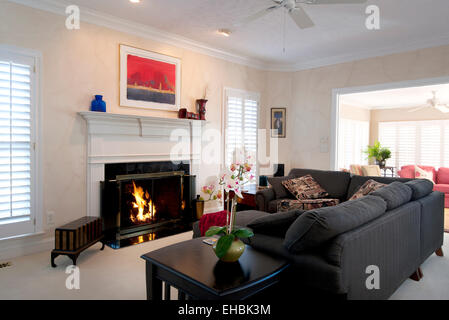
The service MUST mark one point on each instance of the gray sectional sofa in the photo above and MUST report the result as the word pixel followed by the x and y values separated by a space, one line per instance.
pixel 333 250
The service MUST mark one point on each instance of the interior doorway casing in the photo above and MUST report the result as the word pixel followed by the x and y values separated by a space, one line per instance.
pixel 337 93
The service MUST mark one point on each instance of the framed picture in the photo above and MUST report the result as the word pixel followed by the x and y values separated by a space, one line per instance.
pixel 278 122
pixel 149 80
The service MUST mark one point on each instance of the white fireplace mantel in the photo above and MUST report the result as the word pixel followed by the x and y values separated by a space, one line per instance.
pixel 117 138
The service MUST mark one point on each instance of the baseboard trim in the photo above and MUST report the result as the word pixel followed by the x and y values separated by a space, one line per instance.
pixel 23 247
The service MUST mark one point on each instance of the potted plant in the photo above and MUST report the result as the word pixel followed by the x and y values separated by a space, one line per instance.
pixel 379 154
pixel 229 247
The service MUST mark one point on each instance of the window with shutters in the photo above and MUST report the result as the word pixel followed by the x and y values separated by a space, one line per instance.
pixel 241 124
pixel 416 142
pixel 353 138
pixel 17 143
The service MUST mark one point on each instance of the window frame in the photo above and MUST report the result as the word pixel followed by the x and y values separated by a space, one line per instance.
pixel 244 94
pixel 35 224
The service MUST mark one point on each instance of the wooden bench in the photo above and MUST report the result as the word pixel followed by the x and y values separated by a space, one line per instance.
pixel 75 237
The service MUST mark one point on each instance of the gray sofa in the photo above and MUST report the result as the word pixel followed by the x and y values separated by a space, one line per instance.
pixel 395 228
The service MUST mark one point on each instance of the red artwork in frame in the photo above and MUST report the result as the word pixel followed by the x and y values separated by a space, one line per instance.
pixel 149 80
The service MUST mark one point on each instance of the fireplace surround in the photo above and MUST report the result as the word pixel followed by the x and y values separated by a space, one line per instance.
pixel 133 144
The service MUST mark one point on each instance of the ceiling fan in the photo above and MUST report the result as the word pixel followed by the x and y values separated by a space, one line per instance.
pixel 296 12
pixel 434 102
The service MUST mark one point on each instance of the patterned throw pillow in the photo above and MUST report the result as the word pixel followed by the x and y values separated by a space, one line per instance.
pixel 305 188
pixel 367 188
pixel 289 204
pixel 423 174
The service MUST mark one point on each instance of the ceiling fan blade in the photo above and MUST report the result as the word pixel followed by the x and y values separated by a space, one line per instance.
pixel 334 1
pixel 301 18
pixel 442 108
pixel 419 108
pixel 260 14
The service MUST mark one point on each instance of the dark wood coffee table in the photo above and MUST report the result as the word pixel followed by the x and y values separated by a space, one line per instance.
pixel 192 268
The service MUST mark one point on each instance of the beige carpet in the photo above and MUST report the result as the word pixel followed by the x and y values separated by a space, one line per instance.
pixel 120 274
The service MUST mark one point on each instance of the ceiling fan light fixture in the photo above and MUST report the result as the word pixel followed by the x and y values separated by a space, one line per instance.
pixel 134 1
pixel 224 32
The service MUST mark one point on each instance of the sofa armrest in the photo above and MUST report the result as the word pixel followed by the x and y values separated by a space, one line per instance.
pixel 391 243
pixel 263 198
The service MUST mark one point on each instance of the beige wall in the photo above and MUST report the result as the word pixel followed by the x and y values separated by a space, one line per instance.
pixel 354 113
pixel 312 95
pixel 79 64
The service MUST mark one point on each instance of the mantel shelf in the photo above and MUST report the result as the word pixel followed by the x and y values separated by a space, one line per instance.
pixel 104 116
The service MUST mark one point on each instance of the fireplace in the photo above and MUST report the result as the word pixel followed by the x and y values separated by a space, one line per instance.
pixel 146 201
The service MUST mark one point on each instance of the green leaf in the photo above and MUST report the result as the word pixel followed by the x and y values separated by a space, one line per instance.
pixel 242 233
pixel 215 230
pixel 223 245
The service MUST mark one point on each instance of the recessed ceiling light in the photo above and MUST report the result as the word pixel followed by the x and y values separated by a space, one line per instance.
pixel 134 1
pixel 224 32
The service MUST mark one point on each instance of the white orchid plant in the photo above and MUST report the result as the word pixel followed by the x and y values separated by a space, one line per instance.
pixel 232 180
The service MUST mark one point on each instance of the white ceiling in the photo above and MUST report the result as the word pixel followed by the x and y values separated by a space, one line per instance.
pixel 339 32
pixel 397 98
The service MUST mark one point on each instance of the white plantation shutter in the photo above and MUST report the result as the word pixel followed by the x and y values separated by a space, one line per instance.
pixel 445 143
pixel 16 139
pixel 387 136
pixel 353 138
pixel 241 123
pixel 416 142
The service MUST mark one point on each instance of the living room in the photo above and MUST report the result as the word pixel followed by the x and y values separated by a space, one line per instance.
pixel 145 102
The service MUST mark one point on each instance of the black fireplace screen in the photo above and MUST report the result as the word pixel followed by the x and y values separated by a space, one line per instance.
pixel 151 200
pixel 136 203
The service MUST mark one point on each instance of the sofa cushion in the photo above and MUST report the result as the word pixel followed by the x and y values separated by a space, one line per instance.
pixel 274 224
pixel 368 187
pixel 313 228
pixel 308 270
pixel 273 205
pixel 244 218
pixel 395 194
pixel 305 187
pixel 441 187
pixel 409 171
pixel 424 174
pixel 278 187
pixel 420 188
pixel 358 181
pixel 309 204
pixel 443 176
pixel 334 182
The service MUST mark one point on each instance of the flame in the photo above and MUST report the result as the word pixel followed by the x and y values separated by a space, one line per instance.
pixel 146 210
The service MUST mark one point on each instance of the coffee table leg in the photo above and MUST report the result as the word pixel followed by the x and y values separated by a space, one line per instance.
pixel 167 291
pixel 154 285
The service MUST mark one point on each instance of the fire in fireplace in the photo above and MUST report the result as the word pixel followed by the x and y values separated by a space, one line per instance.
pixel 146 204
pixel 142 209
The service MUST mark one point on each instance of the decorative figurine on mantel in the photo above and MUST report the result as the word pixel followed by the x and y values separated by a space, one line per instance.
pixel 202 105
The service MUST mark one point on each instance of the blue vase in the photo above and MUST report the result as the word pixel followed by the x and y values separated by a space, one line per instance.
pixel 98 104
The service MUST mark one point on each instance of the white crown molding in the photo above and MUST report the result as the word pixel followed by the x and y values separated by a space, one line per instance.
pixel 379 52
pixel 144 31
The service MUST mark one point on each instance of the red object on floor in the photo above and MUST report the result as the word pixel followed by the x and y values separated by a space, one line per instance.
pixel 212 219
